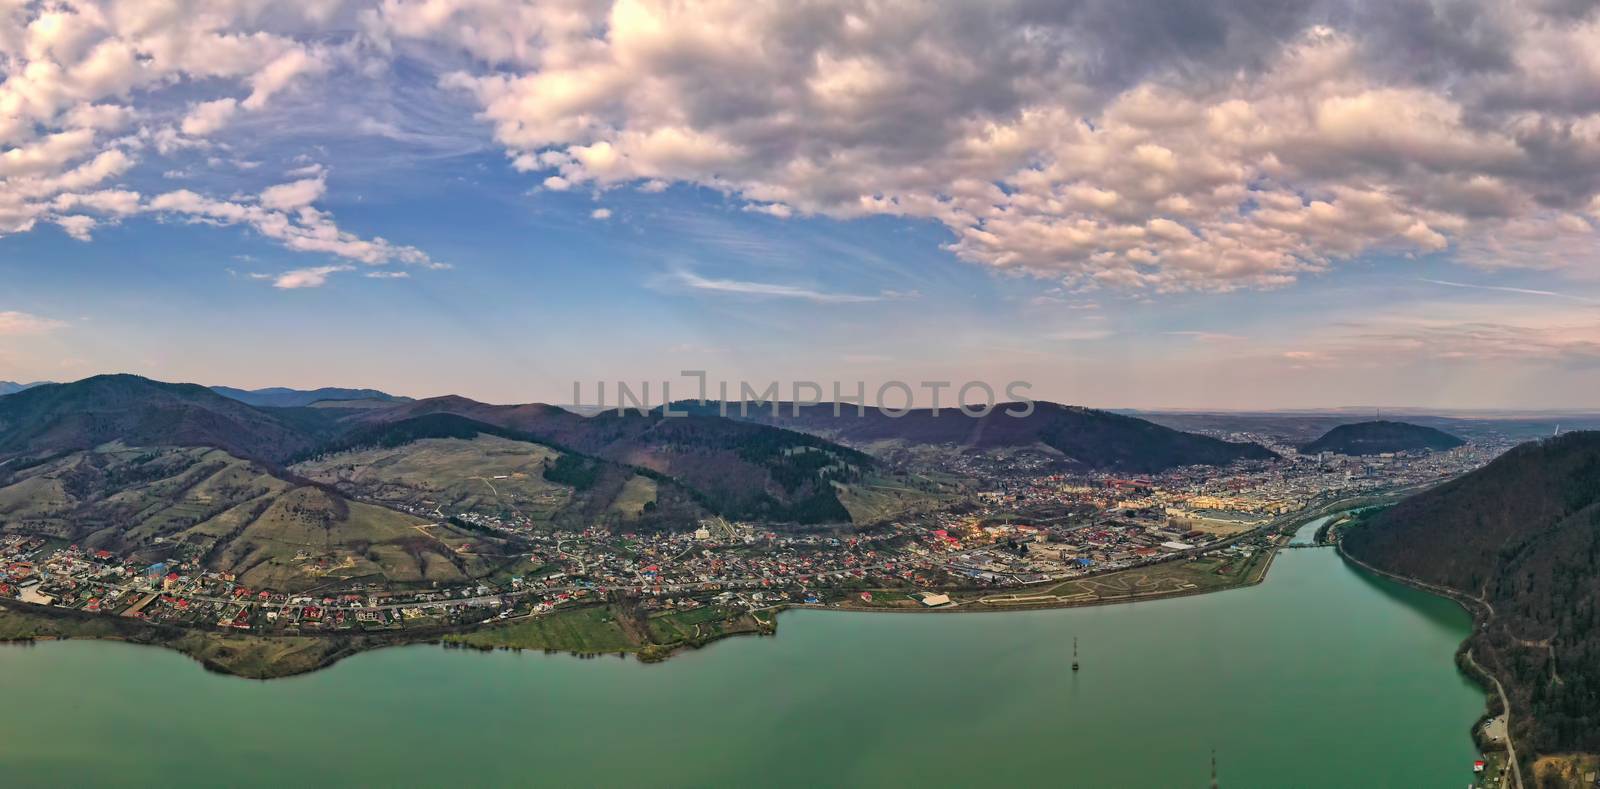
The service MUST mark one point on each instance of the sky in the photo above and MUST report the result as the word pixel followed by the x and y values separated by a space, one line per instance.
pixel 1128 203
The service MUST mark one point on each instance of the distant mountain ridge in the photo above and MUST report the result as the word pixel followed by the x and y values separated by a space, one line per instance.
pixel 1523 534
pixel 12 387
pixel 1380 437
pixel 1091 438
pixel 283 397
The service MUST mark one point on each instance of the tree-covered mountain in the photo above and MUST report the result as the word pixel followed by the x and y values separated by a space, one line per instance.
pixel 1379 437
pixel 281 397
pixel 1523 535
pixel 736 469
pixel 140 412
pixel 764 468
pixel 1089 438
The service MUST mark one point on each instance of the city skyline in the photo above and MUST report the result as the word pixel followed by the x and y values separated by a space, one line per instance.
pixel 1166 207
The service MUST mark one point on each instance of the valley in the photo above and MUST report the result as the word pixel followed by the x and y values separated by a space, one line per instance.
pixel 274 541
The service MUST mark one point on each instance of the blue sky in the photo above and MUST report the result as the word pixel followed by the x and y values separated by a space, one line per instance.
pixel 375 199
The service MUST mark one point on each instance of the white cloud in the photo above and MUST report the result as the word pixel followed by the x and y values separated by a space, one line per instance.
pixel 74 75
pixel 13 324
pixel 293 195
pixel 1157 145
pixel 600 213
pixel 307 277
pixel 1074 144
pixel 284 213
pixel 771 290
pixel 207 117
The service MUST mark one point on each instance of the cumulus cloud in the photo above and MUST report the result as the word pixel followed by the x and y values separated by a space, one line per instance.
pixel 206 117
pixel 1131 144
pixel 294 195
pixel 600 213
pixel 87 89
pixel 1139 144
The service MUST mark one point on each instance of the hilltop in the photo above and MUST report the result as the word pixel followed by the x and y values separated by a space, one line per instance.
pixel 140 412
pixel 1379 437
pixel 1523 535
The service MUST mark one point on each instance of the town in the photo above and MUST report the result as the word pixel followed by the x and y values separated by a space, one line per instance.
pixel 1020 527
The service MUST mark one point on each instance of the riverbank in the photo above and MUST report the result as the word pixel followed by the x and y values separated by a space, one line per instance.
pixel 1322 677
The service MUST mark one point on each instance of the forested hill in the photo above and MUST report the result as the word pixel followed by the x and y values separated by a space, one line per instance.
pixel 1376 438
pixel 1523 533
pixel 53 418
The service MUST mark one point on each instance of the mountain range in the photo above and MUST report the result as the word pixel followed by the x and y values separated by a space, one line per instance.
pixel 346 482
pixel 282 397
pixel 1086 438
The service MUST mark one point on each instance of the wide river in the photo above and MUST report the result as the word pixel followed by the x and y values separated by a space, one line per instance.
pixel 1320 677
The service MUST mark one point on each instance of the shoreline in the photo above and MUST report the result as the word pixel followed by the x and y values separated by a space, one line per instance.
pixel 1480 615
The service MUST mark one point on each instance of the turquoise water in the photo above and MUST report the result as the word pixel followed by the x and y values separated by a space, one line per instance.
pixel 1319 677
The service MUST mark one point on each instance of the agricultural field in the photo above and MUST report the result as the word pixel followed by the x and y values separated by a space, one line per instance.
pixel 488 475
pixel 698 626
pixel 638 493
pixel 584 630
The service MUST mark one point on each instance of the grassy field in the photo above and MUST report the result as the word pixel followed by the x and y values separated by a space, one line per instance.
pixel 488 475
pixel 679 626
pixel 879 498
pixel 636 493
pixel 593 629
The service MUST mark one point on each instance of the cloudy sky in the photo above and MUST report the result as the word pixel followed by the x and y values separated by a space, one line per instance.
pixel 1263 203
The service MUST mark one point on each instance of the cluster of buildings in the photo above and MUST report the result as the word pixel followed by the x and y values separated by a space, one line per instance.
pixel 1025 525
